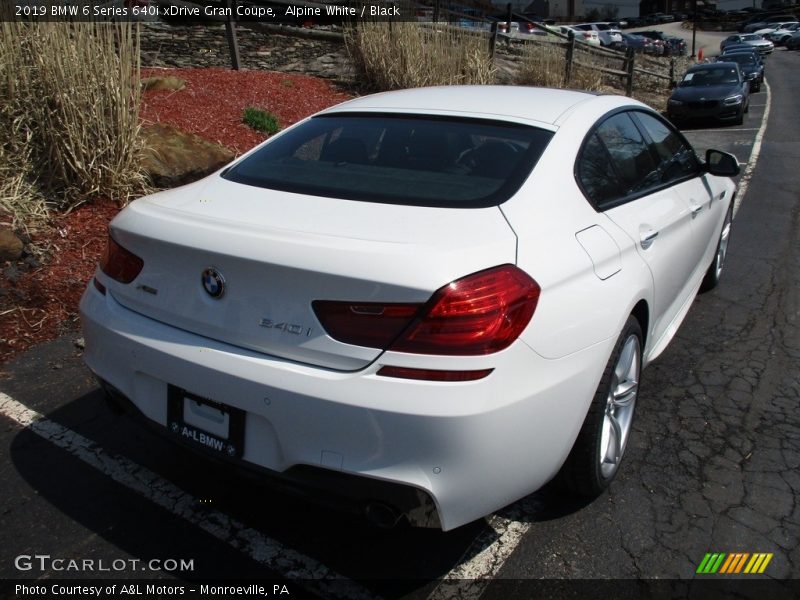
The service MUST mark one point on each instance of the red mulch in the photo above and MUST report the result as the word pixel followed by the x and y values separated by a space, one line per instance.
pixel 212 103
pixel 41 302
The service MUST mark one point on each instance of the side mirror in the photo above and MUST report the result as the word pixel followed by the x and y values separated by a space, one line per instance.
pixel 721 163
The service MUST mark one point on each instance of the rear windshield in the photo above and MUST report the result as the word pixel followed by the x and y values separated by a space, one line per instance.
pixel 409 159
pixel 742 59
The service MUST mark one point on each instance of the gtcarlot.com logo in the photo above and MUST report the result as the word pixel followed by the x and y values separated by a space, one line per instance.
pixel 45 562
pixel 734 563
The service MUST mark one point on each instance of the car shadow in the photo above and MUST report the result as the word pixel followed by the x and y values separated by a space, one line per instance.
pixel 705 124
pixel 392 562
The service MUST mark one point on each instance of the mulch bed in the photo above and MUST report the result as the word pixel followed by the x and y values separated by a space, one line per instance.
pixel 40 302
pixel 212 103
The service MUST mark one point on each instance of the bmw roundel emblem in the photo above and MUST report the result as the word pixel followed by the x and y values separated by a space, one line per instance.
pixel 213 282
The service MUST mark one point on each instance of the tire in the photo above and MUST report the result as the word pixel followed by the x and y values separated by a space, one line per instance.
pixel 740 117
pixel 712 276
pixel 595 457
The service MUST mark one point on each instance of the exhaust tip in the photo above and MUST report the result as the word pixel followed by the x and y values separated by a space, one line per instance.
pixel 382 515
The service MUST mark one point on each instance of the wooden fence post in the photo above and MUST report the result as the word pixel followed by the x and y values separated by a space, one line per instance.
pixel 230 33
pixel 568 58
pixel 508 27
pixel 629 58
pixel 493 40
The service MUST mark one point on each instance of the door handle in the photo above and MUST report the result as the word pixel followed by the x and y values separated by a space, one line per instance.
pixel 648 238
pixel 696 209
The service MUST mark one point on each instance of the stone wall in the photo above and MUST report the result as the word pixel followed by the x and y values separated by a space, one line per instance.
pixel 187 46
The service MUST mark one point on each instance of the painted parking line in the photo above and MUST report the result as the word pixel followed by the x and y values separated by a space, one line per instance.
pixel 482 561
pixel 754 154
pixel 272 554
pixel 719 130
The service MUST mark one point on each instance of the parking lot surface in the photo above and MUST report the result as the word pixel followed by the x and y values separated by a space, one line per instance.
pixel 713 466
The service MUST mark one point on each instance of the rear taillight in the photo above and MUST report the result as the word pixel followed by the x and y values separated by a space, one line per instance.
pixel 478 314
pixel 433 374
pixel 120 264
pixel 369 324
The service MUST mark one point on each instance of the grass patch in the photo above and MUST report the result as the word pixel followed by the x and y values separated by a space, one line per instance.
pixel 545 65
pixel 261 120
pixel 69 116
pixel 397 55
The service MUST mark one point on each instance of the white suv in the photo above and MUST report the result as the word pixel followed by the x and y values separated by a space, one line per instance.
pixel 608 35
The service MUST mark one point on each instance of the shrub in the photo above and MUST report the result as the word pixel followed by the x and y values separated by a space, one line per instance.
pixel 545 65
pixel 69 116
pixel 397 55
pixel 261 120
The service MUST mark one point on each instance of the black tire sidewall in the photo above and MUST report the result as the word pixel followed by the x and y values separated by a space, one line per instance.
pixel 711 278
pixel 581 472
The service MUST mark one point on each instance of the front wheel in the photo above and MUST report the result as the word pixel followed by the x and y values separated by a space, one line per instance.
pixel 712 276
pixel 594 460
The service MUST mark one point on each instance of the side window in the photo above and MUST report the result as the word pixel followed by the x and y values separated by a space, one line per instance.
pixel 597 176
pixel 630 155
pixel 678 159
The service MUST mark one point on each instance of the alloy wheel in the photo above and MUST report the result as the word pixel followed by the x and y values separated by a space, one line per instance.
pixel 620 405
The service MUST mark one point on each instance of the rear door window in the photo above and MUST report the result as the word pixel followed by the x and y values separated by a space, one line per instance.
pixel 616 163
pixel 629 153
pixel 677 159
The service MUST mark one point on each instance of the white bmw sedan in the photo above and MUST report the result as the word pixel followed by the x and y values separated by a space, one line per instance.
pixel 428 302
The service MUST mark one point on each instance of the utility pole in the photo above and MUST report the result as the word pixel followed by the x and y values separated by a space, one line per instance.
pixel 694 28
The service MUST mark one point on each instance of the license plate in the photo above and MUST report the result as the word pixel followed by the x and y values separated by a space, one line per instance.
pixel 205 423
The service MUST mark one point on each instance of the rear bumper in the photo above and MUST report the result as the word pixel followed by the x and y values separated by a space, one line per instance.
pixel 467 448
pixel 382 502
pixel 720 113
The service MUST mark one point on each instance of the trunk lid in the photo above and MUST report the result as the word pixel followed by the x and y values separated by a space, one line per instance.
pixel 279 251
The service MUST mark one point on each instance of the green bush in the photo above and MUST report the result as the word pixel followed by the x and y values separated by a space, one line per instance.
pixel 261 120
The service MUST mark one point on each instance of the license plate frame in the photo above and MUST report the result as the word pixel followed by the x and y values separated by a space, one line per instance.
pixel 231 446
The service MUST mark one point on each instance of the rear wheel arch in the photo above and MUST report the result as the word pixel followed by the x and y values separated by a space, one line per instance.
pixel 596 454
pixel 641 312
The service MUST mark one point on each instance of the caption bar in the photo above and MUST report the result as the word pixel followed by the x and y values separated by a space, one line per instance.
pixel 198 12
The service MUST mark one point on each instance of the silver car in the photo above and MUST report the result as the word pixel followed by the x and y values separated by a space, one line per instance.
pixel 607 34
pixel 751 39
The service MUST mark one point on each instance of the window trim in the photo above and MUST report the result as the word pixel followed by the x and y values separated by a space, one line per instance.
pixel 631 111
